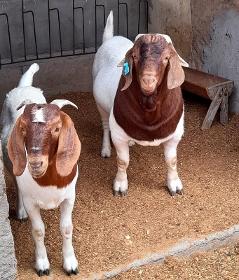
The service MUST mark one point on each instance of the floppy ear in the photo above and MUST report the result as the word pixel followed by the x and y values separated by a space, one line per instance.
pixel 16 149
pixel 176 74
pixel 129 68
pixel 69 147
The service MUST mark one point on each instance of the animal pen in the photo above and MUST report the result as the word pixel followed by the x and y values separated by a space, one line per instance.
pixel 113 235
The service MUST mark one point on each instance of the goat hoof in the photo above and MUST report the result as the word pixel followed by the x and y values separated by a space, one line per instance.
pixel 22 220
pixel 43 272
pixel 124 193
pixel 115 193
pixel 22 214
pixel 106 153
pixel 73 271
pixel 172 193
pixel 120 193
pixel 180 192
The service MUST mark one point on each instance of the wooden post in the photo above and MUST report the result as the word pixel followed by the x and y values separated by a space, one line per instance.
pixel 212 109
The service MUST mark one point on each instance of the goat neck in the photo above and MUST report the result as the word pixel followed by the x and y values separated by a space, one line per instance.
pixel 52 178
pixel 148 118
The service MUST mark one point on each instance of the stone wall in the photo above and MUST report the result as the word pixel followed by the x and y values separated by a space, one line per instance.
pixel 216 40
pixel 173 18
pixel 7 253
pixel 205 33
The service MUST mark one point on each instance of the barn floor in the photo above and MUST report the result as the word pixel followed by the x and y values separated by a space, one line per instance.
pixel 111 231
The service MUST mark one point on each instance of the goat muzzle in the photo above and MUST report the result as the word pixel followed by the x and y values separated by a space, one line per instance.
pixel 148 84
pixel 37 166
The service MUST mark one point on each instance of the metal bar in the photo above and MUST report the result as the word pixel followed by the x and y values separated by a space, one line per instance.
pixel 143 15
pixel 118 17
pixel 101 6
pixel 73 22
pixel 95 28
pixel 83 28
pixel 9 36
pixel 49 27
pixel 40 58
pixel 59 27
pixel 139 16
pixel 127 18
pixel 34 31
pixel 146 15
pixel 23 30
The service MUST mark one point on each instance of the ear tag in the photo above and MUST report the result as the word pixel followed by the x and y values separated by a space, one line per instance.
pixel 126 68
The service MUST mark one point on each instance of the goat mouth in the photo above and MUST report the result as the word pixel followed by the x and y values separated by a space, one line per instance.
pixel 147 92
pixel 37 173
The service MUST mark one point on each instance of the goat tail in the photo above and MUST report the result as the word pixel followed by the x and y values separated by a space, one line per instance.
pixel 109 27
pixel 27 77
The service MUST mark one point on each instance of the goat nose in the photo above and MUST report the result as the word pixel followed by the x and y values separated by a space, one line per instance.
pixel 148 81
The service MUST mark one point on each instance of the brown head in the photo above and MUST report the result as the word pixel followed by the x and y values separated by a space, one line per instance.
pixel 151 58
pixel 43 134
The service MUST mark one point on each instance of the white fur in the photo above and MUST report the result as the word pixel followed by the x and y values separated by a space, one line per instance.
pixel 31 196
pixel 38 116
pixel 109 30
pixel 106 76
pixel 48 197
pixel 35 198
pixel 27 77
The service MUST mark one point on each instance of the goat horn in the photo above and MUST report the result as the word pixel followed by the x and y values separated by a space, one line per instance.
pixel 63 102
pixel 25 102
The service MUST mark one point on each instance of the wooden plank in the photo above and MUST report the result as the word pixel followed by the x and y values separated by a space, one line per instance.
pixel 203 79
pixel 224 108
pixel 201 83
pixel 212 111
pixel 211 87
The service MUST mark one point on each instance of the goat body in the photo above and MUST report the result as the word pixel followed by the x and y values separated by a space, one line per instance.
pixel 43 147
pixel 143 104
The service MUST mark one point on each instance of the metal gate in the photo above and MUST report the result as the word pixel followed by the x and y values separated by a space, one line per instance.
pixel 41 29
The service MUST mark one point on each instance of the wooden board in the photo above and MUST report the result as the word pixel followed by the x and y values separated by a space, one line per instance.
pixel 200 83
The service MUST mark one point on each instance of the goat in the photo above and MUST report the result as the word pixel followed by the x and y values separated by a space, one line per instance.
pixel 43 147
pixel 143 104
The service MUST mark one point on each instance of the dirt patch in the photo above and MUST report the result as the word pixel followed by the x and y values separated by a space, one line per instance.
pixel 112 231
pixel 218 264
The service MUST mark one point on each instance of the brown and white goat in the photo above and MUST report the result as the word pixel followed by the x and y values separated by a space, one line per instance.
pixel 44 148
pixel 143 104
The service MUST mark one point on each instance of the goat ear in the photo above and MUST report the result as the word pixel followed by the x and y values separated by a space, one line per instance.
pixel 127 69
pixel 16 149
pixel 176 74
pixel 69 147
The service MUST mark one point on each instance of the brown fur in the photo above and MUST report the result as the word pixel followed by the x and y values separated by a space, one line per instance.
pixel 58 141
pixel 153 115
pixel 16 150
pixel 69 147
pixel 52 177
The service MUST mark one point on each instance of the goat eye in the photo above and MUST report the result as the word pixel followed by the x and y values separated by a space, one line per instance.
pixel 57 129
pixel 23 130
pixel 166 59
